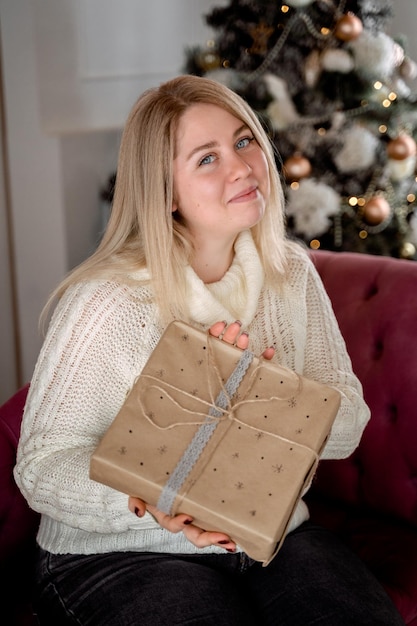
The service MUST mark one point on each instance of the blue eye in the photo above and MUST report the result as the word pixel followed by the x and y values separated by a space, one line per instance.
pixel 245 141
pixel 207 159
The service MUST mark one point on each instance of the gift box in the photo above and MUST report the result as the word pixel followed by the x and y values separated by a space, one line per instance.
pixel 215 432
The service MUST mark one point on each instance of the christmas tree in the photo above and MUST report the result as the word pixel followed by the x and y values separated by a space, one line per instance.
pixel 333 90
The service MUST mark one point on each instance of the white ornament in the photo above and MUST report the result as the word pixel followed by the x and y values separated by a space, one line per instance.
pixel 408 69
pixel 399 54
pixel 358 151
pixel 299 3
pixel 337 60
pixel 374 55
pixel 281 111
pixel 338 121
pixel 312 68
pixel 225 76
pixel 400 169
pixel 311 205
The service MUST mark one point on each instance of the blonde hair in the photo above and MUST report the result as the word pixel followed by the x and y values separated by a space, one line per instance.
pixel 142 230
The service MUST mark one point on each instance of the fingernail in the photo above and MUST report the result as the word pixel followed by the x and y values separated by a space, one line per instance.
pixel 138 512
pixel 230 549
pixel 188 521
pixel 238 322
pixel 244 332
pixel 223 542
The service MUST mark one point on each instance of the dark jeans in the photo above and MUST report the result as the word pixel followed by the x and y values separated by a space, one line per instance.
pixel 314 579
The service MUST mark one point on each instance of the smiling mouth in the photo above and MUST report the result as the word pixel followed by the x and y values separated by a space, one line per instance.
pixel 247 194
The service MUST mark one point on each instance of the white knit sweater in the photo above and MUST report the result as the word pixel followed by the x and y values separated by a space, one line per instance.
pixel 99 339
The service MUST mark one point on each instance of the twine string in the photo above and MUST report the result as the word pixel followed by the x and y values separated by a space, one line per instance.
pixel 217 410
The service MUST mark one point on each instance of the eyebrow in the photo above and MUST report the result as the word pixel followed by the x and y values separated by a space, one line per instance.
pixel 212 144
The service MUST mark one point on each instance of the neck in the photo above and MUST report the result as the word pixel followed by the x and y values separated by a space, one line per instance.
pixel 211 263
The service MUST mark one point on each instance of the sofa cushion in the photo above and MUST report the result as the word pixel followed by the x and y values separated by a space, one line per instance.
pixel 376 307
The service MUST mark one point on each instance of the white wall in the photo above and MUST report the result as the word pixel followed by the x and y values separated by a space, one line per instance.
pixel 404 23
pixel 35 181
pixel 9 366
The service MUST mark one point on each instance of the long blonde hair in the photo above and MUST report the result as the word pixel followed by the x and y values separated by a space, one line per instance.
pixel 142 230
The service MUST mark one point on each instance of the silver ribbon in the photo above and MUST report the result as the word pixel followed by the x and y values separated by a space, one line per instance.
pixel 203 435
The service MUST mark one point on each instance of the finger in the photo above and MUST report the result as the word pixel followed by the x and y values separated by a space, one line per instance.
pixel 242 341
pixel 204 538
pixel 268 353
pixel 217 329
pixel 136 506
pixel 173 523
pixel 231 333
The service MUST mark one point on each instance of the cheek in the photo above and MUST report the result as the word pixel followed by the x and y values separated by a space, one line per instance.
pixel 264 173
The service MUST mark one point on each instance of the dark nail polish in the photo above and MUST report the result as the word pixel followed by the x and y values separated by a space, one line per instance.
pixel 188 521
pixel 138 512
pixel 223 542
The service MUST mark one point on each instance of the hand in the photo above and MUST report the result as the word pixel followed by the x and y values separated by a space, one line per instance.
pixel 177 523
pixel 231 334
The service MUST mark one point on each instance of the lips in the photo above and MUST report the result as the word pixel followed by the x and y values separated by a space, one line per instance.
pixel 247 194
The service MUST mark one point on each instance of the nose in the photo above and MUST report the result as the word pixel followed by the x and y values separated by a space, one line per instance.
pixel 238 167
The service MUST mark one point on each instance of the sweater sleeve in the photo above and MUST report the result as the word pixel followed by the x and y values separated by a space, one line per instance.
pixel 326 359
pixel 98 341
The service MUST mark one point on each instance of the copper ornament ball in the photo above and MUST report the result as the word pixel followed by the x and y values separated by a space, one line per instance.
pixel 296 167
pixel 376 210
pixel 348 27
pixel 401 147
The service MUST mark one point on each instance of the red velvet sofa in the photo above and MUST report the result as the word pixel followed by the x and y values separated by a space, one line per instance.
pixel 370 498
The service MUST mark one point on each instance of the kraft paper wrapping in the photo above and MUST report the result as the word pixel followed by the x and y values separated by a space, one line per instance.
pixel 238 469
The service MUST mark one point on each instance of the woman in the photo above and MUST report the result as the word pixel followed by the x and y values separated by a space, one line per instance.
pixel 196 233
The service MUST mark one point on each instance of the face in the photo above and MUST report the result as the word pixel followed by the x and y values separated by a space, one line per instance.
pixel 221 181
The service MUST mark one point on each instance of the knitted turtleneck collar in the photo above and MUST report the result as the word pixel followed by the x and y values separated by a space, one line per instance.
pixel 235 296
